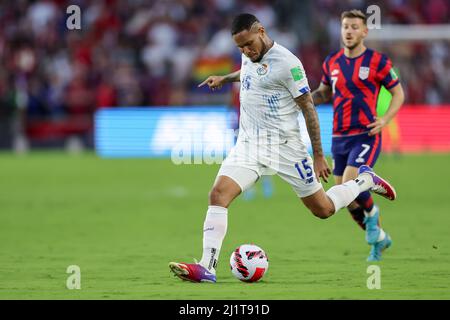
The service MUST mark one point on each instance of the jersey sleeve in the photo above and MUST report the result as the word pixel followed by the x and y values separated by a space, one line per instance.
pixel 325 74
pixel 293 77
pixel 386 74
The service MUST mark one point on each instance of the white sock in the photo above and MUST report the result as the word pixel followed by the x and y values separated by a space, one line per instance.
pixel 370 213
pixel 343 194
pixel 381 236
pixel 214 230
pixel 364 181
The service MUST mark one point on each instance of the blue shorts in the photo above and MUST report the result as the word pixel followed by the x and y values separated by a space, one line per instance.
pixel 354 151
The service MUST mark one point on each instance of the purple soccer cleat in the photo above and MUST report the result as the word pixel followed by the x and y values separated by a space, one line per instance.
pixel 193 272
pixel 381 187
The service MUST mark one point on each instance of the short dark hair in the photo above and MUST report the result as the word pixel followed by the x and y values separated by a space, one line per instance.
pixel 242 22
pixel 354 14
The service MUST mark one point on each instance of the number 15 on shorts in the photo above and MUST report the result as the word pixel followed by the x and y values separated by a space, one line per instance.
pixel 305 171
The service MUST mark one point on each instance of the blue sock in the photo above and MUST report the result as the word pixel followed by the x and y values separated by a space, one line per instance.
pixel 249 194
pixel 267 186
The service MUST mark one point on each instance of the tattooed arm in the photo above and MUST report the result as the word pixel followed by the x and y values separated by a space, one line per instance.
pixel 321 168
pixel 216 82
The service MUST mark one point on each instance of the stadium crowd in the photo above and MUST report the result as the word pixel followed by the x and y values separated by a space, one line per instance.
pixel 154 52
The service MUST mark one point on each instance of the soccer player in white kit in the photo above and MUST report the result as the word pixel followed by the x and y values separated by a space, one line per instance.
pixel 274 89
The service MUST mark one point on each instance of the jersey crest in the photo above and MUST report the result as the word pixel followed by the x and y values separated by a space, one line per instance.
pixel 355 84
pixel 364 73
pixel 262 70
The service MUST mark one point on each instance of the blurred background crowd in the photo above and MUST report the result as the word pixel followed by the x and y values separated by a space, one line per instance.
pixel 155 52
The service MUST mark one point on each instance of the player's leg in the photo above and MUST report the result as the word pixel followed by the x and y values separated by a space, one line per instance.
pixel 341 147
pixel 356 212
pixel 341 150
pixel 324 204
pixel 365 150
pixel 225 189
pixel 249 194
pixel 294 165
pixel 238 172
pixel 375 235
pixel 364 207
pixel 267 186
pixel 230 182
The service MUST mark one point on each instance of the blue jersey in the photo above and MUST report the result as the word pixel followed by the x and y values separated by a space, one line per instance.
pixel 356 83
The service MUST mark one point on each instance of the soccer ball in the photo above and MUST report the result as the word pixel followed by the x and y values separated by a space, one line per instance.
pixel 249 263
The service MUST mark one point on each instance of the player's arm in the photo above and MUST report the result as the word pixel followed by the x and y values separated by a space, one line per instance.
pixel 216 82
pixel 398 97
pixel 322 94
pixel 306 104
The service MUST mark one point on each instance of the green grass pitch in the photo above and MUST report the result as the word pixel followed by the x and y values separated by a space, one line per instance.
pixel 123 220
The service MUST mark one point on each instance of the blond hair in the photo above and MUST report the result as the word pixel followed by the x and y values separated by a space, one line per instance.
pixel 354 14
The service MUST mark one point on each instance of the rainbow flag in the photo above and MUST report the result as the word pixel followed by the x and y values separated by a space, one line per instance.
pixel 205 67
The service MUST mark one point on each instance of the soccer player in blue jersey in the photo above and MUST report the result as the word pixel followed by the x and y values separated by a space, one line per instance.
pixel 352 79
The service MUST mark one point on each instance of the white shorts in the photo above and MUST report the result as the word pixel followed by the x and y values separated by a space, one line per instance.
pixel 246 162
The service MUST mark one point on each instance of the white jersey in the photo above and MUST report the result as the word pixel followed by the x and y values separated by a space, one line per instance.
pixel 269 113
